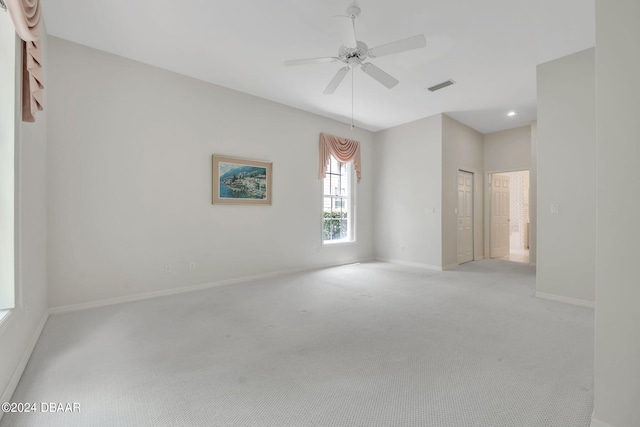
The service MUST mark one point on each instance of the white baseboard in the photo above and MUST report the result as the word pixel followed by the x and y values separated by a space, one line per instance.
pixel 17 373
pixel 201 286
pixel 409 263
pixel 568 300
pixel 598 423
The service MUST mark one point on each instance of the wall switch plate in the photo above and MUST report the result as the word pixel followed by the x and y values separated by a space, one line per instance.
pixel 555 209
pixel 192 266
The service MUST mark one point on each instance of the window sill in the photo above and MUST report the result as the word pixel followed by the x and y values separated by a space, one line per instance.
pixel 4 316
pixel 338 242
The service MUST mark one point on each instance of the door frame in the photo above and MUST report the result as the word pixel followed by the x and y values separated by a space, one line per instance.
pixel 487 205
pixel 473 216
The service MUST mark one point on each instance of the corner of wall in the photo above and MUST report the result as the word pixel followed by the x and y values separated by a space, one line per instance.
pixel 533 196
pixel 565 235
pixel 408 155
pixel 462 149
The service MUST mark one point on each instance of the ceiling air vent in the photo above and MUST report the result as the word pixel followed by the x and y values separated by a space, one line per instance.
pixel 441 85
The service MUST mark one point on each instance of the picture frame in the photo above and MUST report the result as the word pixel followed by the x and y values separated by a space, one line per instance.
pixel 238 181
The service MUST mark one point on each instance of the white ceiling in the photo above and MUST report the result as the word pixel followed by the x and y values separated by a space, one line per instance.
pixel 489 47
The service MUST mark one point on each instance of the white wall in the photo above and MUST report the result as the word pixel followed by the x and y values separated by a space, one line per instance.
pixel 508 150
pixel 566 177
pixel 408 199
pixel 462 149
pixel 617 342
pixel 22 327
pixel 130 181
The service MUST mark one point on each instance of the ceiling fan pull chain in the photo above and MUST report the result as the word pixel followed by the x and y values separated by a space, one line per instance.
pixel 352 79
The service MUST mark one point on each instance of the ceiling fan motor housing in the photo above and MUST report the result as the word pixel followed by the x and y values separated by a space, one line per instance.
pixel 353 11
pixel 360 53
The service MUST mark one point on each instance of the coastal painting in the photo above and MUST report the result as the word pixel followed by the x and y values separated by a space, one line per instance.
pixel 241 181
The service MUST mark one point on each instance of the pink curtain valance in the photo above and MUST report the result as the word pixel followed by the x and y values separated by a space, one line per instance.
pixel 26 17
pixel 343 149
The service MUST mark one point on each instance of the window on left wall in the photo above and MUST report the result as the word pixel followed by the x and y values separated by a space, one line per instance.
pixel 9 84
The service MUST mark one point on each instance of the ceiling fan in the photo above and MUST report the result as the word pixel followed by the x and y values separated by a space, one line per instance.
pixel 354 53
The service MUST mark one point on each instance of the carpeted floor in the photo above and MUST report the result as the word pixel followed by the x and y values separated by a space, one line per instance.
pixel 366 345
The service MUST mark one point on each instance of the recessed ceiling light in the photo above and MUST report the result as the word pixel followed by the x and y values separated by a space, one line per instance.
pixel 512 113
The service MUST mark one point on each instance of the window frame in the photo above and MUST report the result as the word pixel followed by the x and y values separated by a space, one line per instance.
pixel 352 209
pixel 9 289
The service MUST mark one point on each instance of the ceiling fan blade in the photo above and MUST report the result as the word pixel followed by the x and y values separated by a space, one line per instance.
pixel 415 42
pixel 381 76
pixel 347 31
pixel 337 79
pixel 306 61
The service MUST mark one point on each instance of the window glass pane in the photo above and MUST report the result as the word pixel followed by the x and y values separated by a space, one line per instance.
pixel 337 202
pixel 343 228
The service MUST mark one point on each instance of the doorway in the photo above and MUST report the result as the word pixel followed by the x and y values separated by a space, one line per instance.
pixel 465 216
pixel 509 216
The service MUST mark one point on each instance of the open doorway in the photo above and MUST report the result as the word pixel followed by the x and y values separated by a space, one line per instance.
pixel 509 216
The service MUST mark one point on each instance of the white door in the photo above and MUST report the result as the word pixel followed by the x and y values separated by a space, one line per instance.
pixel 465 217
pixel 499 215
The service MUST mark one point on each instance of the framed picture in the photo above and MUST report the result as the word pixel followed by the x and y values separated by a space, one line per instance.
pixel 239 181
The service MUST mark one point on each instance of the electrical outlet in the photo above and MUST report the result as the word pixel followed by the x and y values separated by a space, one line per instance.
pixel 192 266
pixel 167 268
pixel 555 209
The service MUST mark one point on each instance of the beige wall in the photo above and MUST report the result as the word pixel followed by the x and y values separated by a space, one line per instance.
pixel 20 330
pixel 617 342
pixel 566 162
pixel 130 181
pixel 508 150
pixel 408 202
pixel 462 149
pixel 416 184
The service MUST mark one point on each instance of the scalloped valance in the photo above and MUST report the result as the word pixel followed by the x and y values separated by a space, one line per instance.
pixel 343 149
pixel 26 17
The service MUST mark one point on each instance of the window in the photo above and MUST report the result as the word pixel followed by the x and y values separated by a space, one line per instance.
pixel 338 224
pixel 8 87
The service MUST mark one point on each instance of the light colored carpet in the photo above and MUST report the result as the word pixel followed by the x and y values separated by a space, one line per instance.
pixel 369 345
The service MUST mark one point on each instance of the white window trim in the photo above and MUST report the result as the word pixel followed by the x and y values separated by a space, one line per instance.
pixel 10 277
pixel 4 318
pixel 353 220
